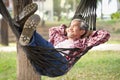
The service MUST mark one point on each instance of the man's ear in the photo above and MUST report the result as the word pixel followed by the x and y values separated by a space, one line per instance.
pixel 82 32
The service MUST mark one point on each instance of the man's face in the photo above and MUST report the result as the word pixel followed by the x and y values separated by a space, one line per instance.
pixel 74 31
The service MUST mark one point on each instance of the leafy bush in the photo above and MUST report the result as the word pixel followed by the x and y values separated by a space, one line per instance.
pixel 115 15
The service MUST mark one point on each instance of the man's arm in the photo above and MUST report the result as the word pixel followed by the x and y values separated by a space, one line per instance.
pixel 56 34
pixel 97 37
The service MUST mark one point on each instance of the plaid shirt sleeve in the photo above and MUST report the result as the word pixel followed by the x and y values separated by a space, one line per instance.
pixel 57 34
pixel 98 37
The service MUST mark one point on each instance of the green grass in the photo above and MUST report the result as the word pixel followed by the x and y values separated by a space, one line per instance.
pixel 7 66
pixel 96 65
pixel 113 42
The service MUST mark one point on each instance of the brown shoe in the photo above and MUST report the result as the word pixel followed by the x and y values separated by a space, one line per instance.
pixel 28 29
pixel 26 12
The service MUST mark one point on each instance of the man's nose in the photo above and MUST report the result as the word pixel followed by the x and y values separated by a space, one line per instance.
pixel 70 28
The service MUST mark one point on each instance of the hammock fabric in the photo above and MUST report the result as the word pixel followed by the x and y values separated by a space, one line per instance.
pixel 37 55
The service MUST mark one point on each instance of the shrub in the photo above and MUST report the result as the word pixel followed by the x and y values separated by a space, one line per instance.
pixel 115 15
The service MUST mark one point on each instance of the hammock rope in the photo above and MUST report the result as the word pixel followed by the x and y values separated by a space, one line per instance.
pixel 42 57
pixel 9 20
pixel 87 11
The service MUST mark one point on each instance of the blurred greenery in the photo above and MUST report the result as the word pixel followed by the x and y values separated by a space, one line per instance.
pixel 116 15
pixel 95 65
pixel 65 8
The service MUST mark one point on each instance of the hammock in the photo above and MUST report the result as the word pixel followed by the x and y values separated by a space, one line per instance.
pixel 40 57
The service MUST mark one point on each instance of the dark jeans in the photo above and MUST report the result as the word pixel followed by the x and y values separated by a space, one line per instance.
pixel 38 40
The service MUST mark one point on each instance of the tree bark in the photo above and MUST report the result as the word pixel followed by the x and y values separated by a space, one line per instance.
pixel 24 69
pixel 3 32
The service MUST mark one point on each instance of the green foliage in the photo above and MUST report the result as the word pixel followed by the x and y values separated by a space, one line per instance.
pixel 95 65
pixel 116 15
pixel 57 8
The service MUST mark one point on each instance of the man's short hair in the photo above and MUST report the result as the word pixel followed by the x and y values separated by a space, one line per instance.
pixel 83 24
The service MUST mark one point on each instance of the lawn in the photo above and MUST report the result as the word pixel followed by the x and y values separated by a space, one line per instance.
pixel 7 66
pixel 96 65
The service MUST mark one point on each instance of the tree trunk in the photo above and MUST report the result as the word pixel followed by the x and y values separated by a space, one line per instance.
pixel 101 9
pixel 118 5
pixel 24 69
pixel 3 32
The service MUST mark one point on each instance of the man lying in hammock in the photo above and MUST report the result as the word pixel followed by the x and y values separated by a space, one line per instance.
pixel 76 35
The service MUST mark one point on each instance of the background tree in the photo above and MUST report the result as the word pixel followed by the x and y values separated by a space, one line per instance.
pixel 57 9
pixel 101 2
pixel 118 1
pixel 69 5
pixel 73 3
pixel 4 28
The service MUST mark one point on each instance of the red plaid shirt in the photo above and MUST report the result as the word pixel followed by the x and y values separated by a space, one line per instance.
pixel 58 39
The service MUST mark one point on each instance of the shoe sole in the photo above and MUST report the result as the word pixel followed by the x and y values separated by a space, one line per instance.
pixel 27 12
pixel 28 29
